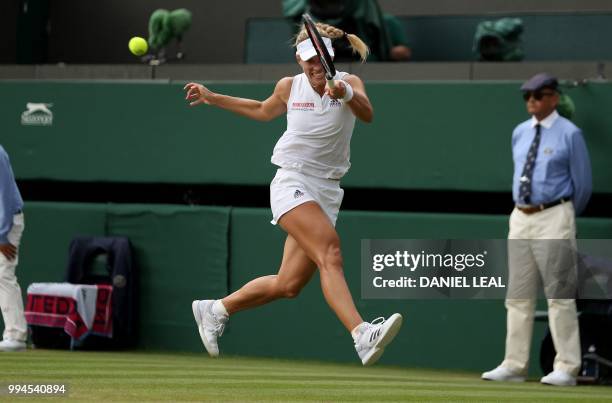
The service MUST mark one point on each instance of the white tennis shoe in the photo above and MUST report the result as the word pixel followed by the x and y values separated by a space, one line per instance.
pixel 502 374
pixel 8 345
pixel 559 378
pixel 210 326
pixel 375 336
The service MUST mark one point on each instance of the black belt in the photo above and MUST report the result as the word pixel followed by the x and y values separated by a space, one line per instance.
pixel 540 207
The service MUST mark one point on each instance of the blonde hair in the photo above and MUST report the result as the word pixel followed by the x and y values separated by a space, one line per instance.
pixel 332 32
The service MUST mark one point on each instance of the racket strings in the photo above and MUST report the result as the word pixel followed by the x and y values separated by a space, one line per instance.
pixel 324 56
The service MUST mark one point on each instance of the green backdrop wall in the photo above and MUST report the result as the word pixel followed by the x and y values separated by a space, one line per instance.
pixel 187 253
pixel 425 135
pixel 452 135
pixel 181 251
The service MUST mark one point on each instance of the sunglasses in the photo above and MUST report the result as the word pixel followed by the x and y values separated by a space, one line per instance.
pixel 537 95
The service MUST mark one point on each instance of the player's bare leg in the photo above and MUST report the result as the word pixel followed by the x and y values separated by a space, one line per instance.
pixel 315 234
pixel 295 272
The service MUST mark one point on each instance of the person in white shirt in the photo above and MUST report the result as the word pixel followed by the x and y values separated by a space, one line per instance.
pixel 305 195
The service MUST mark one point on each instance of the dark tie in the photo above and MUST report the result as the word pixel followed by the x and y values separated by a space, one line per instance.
pixel 525 185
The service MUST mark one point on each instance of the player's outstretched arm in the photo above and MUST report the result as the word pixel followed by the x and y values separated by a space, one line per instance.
pixel 269 109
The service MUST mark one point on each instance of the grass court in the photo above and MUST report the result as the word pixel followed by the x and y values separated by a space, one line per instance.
pixel 141 376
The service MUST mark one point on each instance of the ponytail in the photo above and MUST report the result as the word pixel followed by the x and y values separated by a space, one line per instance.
pixel 331 32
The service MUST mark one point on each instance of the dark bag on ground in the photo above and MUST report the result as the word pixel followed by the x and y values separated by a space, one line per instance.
pixel 100 260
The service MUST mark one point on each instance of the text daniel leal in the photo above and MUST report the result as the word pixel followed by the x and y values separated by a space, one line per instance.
pixel 440 282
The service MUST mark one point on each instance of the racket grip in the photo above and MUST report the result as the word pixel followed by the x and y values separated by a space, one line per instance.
pixel 330 83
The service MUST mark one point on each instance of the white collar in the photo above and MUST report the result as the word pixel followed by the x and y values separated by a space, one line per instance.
pixel 547 122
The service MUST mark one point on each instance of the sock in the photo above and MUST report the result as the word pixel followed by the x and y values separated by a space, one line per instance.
pixel 219 310
pixel 357 331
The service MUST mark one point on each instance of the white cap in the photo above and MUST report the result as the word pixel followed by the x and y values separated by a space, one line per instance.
pixel 306 50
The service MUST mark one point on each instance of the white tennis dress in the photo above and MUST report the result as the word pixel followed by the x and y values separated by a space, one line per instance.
pixel 313 153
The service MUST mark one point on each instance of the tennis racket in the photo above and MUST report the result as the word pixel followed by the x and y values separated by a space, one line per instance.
pixel 319 45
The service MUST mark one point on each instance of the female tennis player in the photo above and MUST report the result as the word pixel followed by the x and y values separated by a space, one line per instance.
pixel 305 195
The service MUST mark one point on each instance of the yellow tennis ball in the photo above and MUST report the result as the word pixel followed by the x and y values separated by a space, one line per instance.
pixel 138 46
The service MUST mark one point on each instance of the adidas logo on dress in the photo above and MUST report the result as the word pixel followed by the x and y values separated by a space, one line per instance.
pixel 297 194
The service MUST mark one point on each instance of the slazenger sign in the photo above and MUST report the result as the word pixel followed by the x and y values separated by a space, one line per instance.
pixel 37 114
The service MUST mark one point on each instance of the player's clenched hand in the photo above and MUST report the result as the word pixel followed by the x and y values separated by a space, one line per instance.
pixel 337 92
pixel 198 94
pixel 8 250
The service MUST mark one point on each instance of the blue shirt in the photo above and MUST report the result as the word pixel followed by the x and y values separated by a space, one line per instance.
pixel 562 166
pixel 10 199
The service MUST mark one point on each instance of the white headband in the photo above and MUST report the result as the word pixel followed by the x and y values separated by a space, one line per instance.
pixel 306 50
